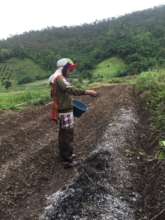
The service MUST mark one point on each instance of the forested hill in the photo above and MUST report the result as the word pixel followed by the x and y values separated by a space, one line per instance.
pixel 137 38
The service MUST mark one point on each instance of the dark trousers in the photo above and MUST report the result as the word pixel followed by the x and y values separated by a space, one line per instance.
pixel 66 143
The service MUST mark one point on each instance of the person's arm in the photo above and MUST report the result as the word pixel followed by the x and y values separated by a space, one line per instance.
pixel 91 92
pixel 70 89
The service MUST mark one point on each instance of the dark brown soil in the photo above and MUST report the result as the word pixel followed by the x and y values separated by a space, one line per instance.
pixel 30 168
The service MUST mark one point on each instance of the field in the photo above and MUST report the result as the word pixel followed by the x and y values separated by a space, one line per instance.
pixel 31 93
pixel 151 84
pixel 118 142
pixel 114 151
pixel 31 168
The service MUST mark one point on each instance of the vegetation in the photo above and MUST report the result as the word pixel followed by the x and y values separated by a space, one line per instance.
pixel 112 67
pixel 153 83
pixel 32 93
pixel 20 71
pixel 137 38
pixel 162 150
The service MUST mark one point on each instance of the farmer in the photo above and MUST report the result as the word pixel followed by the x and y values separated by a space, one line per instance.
pixel 62 109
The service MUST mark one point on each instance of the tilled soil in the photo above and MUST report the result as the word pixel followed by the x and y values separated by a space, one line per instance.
pixel 31 170
pixel 104 187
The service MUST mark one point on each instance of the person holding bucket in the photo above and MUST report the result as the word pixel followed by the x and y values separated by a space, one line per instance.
pixel 62 107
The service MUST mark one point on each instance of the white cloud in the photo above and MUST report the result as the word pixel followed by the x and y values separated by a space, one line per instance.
pixel 18 16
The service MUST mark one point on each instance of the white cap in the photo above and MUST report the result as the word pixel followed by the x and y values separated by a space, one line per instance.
pixel 62 62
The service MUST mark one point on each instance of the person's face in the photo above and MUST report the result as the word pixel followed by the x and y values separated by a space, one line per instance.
pixel 69 72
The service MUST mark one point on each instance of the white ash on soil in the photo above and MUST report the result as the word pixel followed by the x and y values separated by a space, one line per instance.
pixel 102 188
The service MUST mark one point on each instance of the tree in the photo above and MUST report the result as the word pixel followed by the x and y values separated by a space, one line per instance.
pixel 7 84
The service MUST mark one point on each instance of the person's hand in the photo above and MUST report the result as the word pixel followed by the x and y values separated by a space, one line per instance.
pixel 91 93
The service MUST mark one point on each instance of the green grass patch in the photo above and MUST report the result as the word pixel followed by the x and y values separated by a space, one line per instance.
pixel 162 150
pixel 31 93
pixel 109 68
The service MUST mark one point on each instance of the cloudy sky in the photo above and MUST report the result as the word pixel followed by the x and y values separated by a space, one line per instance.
pixel 18 16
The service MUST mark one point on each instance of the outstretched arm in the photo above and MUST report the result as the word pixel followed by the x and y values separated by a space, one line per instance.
pixel 70 89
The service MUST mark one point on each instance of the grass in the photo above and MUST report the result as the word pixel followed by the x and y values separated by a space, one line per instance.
pixel 110 68
pixel 31 93
pixel 162 150
pixel 153 84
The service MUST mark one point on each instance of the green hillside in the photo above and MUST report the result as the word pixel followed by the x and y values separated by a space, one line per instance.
pixel 20 71
pixel 112 67
pixel 137 38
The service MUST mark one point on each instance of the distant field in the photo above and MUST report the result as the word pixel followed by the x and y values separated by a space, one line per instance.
pixel 20 71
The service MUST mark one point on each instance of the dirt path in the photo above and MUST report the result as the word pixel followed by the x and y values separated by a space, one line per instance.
pixel 30 169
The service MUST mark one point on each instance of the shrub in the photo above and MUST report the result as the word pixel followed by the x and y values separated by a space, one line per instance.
pixel 26 79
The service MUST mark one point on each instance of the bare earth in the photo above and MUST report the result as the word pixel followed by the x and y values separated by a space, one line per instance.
pixel 31 170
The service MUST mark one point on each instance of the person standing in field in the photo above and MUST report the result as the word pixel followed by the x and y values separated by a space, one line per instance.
pixel 62 108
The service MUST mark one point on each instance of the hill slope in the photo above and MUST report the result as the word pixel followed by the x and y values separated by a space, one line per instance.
pixel 21 70
pixel 137 38
pixel 112 67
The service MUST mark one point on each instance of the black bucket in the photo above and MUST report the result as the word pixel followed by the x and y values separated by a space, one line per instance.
pixel 79 108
